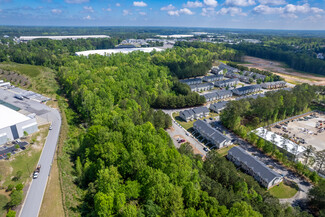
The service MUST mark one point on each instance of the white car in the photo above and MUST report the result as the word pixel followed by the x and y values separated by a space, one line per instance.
pixel 35 175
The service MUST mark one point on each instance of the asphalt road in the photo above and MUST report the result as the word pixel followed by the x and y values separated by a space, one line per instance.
pixel 304 186
pixel 34 197
pixel 301 196
pixel 180 131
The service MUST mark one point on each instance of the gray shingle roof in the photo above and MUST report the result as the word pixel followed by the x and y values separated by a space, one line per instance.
pixel 214 134
pixel 218 105
pixel 256 165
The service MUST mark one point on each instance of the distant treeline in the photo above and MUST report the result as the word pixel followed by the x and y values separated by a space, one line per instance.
pixel 223 52
pixel 294 60
pixel 50 53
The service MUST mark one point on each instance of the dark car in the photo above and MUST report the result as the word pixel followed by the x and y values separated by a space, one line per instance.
pixel 205 149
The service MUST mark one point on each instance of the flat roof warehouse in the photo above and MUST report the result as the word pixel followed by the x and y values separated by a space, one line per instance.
pixel 114 51
pixel 9 117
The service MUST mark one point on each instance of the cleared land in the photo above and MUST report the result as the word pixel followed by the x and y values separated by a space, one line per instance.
pixel 284 190
pixel 289 74
pixel 306 129
pixel 36 78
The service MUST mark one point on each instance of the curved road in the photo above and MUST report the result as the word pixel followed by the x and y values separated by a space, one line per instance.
pixel 34 197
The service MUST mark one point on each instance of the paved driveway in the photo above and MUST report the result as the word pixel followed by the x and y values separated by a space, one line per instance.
pixel 33 200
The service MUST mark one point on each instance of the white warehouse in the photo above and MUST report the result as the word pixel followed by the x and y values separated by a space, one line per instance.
pixel 13 125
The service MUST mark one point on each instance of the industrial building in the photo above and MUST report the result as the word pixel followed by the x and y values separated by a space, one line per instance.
pixel 13 125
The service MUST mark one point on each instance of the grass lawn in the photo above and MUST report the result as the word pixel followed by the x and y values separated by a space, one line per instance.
pixel 224 151
pixel 25 69
pixel 25 161
pixel 284 190
pixel 3 201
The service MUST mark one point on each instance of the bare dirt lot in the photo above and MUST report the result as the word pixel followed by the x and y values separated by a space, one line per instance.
pixel 290 75
pixel 306 130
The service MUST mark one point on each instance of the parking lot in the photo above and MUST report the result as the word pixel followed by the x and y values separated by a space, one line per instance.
pixel 304 132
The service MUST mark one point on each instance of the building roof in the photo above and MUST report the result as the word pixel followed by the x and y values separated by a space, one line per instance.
pixel 190 80
pixel 200 85
pixel 212 77
pixel 27 38
pixel 226 81
pixel 210 131
pixel 9 117
pixel 218 105
pixel 187 113
pixel 107 52
pixel 200 110
pixel 224 92
pixel 256 86
pixel 256 165
pixel 279 141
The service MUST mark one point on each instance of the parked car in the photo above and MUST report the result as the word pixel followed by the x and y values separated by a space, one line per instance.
pixel 205 149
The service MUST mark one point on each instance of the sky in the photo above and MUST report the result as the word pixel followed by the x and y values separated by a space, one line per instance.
pixel 245 14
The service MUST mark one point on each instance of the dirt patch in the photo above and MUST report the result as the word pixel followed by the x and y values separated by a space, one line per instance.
pixel 306 130
pixel 15 78
pixel 290 75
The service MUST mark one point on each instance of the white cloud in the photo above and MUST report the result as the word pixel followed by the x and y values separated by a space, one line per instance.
pixel 211 3
pixel 186 11
pixel 208 12
pixel 76 1
pixel 264 9
pixel 272 2
pixel 240 3
pixel 196 4
pixel 107 9
pixel 126 12
pixel 142 13
pixel 88 9
pixel 87 18
pixel 139 4
pixel 56 11
pixel 173 13
pixel 117 4
pixel 232 11
pixel 168 8
pixel 290 10
pixel 181 11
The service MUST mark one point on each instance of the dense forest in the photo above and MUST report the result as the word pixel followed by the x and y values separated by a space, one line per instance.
pixel 127 163
pixel 50 53
pixel 124 161
pixel 295 60
pixel 223 52
pixel 245 115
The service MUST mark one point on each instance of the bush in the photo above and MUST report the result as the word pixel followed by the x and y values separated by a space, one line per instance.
pixel 11 213
pixel 16 198
pixel 19 187
pixel 10 187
